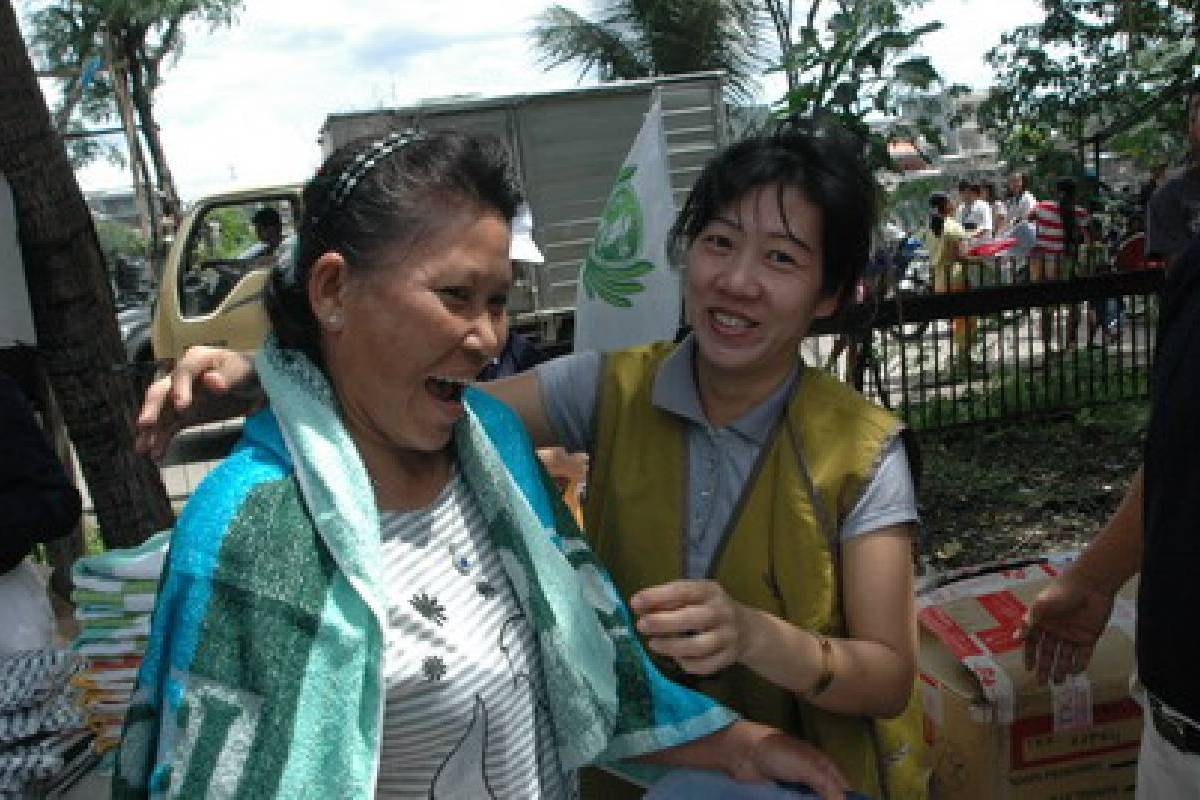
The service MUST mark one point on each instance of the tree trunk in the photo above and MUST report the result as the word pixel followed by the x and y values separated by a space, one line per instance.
pixel 142 187
pixel 72 305
pixel 140 94
pixel 158 157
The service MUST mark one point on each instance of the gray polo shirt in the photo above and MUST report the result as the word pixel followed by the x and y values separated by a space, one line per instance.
pixel 720 460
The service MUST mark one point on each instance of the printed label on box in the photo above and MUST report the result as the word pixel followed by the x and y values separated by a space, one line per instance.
pixel 1034 743
pixel 1072 703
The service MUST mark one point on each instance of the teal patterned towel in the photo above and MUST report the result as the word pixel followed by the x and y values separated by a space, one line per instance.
pixel 263 673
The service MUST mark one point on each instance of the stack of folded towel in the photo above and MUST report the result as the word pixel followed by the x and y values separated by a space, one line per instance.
pixel 113 596
pixel 43 738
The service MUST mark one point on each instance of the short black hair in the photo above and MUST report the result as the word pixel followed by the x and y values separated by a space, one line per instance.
pixel 267 216
pixel 819 159
pixel 963 185
pixel 399 201
pixel 1064 189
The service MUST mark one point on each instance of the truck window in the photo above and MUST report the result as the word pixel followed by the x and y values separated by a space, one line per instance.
pixel 228 242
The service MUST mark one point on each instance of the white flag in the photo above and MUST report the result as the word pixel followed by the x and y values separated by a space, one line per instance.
pixel 628 294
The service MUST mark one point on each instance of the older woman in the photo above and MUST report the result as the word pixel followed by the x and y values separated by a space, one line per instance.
pixel 377 593
pixel 759 512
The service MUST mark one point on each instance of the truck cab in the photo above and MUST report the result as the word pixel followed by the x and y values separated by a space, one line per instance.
pixel 211 287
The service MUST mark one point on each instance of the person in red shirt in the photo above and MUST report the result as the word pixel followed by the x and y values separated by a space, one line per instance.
pixel 1061 234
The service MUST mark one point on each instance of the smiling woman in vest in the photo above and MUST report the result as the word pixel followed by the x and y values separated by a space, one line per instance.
pixel 759 513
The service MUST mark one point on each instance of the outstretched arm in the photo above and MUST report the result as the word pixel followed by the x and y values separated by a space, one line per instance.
pixel 207 384
pixel 1068 616
pixel 748 751
pixel 523 393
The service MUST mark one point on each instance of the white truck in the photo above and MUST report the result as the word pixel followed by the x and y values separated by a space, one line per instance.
pixel 568 147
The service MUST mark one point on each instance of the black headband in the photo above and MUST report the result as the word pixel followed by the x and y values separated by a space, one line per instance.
pixel 362 164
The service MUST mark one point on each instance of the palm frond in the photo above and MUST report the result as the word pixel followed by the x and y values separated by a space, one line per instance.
pixel 562 36
pixel 640 38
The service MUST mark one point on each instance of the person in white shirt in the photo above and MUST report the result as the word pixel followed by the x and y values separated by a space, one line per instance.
pixel 1020 201
pixel 1018 217
pixel 975 214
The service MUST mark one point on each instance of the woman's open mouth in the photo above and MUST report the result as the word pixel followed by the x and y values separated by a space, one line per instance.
pixel 447 389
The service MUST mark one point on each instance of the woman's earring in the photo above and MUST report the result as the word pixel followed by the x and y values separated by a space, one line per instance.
pixel 334 321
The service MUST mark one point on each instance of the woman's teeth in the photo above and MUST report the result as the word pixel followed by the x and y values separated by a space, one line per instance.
pixel 732 321
pixel 448 389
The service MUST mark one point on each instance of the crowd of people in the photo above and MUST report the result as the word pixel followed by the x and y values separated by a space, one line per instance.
pixel 382 593
pixel 1058 231
pixel 977 237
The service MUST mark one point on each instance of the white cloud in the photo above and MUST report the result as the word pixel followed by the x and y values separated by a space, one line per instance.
pixel 971 28
pixel 244 105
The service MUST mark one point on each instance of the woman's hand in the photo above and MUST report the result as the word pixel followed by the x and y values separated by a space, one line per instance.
pixel 762 753
pixel 752 752
pixel 694 622
pixel 207 384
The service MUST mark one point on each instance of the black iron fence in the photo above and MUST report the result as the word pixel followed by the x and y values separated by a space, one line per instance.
pixel 998 351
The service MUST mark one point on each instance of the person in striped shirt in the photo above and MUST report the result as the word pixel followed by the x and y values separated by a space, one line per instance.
pixel 1061 234
pixel 1061 229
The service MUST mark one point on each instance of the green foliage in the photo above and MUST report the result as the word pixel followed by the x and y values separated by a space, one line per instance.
pixel 643 38
pixel 1037 151
pixel 119 240
pixel 1116 70
pixel 858 60
pixel 908 203
pixel 230 234
pixel 862 61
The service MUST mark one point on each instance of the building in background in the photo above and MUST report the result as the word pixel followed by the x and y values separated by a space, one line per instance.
pixel 115 205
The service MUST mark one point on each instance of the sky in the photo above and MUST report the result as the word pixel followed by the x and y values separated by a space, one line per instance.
pixel 242 106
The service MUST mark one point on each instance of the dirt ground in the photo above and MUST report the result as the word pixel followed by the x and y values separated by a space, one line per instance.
pixel 1027 486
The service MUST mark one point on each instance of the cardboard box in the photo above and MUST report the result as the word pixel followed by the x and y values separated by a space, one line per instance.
pixel 994 734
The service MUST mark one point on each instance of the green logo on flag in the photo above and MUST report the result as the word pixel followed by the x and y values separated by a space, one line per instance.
pixel 610 270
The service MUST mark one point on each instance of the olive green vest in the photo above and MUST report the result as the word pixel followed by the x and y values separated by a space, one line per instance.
pixel 779 551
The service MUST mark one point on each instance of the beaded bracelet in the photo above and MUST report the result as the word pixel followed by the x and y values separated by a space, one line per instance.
pixel 826 676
